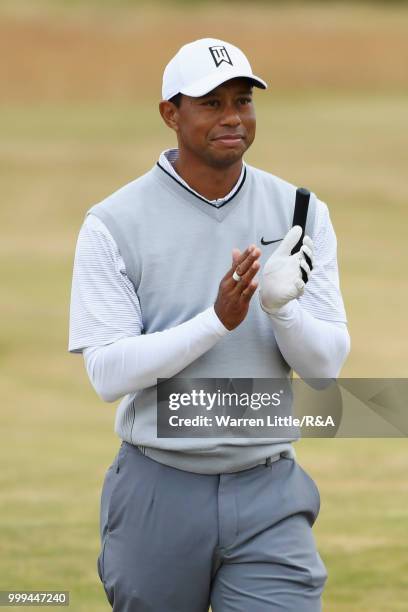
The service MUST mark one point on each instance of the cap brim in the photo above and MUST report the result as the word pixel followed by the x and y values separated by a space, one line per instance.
pixel 204 86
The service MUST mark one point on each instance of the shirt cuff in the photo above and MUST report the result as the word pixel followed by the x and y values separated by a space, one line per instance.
pixel 214 322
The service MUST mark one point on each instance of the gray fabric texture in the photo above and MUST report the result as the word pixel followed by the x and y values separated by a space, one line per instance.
pixel 176 541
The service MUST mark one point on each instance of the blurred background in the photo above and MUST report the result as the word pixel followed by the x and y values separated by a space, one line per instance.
pixel 80 85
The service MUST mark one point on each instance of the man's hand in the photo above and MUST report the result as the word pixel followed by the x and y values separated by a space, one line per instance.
pixel 282 274
pixel 232 303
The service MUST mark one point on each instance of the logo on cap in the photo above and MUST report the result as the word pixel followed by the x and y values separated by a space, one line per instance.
pixel 219 55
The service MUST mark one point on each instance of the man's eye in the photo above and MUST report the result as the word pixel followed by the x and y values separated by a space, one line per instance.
pixel 213 103
pixel 245 100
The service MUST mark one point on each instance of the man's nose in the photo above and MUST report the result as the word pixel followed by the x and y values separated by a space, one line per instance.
pixel 230 116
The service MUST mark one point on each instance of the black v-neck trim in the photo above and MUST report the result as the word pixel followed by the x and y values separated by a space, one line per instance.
pixel 200 197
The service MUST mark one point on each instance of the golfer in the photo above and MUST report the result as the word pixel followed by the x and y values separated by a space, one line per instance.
pixel 187 271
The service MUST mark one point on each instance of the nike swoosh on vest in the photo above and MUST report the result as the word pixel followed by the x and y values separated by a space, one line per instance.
pixel 270 241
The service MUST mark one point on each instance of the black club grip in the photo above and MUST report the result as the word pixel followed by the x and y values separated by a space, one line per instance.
pixel 299 218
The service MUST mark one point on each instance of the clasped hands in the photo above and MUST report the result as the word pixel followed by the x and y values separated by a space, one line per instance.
pixel 281 279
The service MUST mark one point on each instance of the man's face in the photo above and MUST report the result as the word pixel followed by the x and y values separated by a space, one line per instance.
pixel 219 127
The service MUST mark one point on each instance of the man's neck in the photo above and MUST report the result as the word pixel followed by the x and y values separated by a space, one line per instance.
pixel 212 183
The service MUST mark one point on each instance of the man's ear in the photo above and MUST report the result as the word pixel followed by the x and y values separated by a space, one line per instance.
pixel 170 114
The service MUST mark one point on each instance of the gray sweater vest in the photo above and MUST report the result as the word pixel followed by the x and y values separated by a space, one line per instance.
pixel 176 248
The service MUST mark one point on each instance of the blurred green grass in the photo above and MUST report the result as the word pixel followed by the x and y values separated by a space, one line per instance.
pixel 57 158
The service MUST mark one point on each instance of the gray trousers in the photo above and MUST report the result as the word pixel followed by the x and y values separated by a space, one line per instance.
pixel 176 541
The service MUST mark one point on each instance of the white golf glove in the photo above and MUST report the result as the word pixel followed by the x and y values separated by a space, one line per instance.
pixel 281 279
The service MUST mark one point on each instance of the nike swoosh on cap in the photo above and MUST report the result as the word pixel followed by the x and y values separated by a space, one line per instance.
pixel 270 241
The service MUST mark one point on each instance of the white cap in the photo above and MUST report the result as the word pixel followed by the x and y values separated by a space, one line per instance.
pixel 202 65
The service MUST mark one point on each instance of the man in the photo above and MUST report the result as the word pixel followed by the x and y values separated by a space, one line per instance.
pixel 164 284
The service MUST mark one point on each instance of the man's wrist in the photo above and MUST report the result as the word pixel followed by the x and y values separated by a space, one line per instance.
pixel 273 310
pixel 215 322
pixel 285 312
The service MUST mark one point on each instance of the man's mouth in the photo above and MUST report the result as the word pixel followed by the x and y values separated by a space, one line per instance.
pixel 229 139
